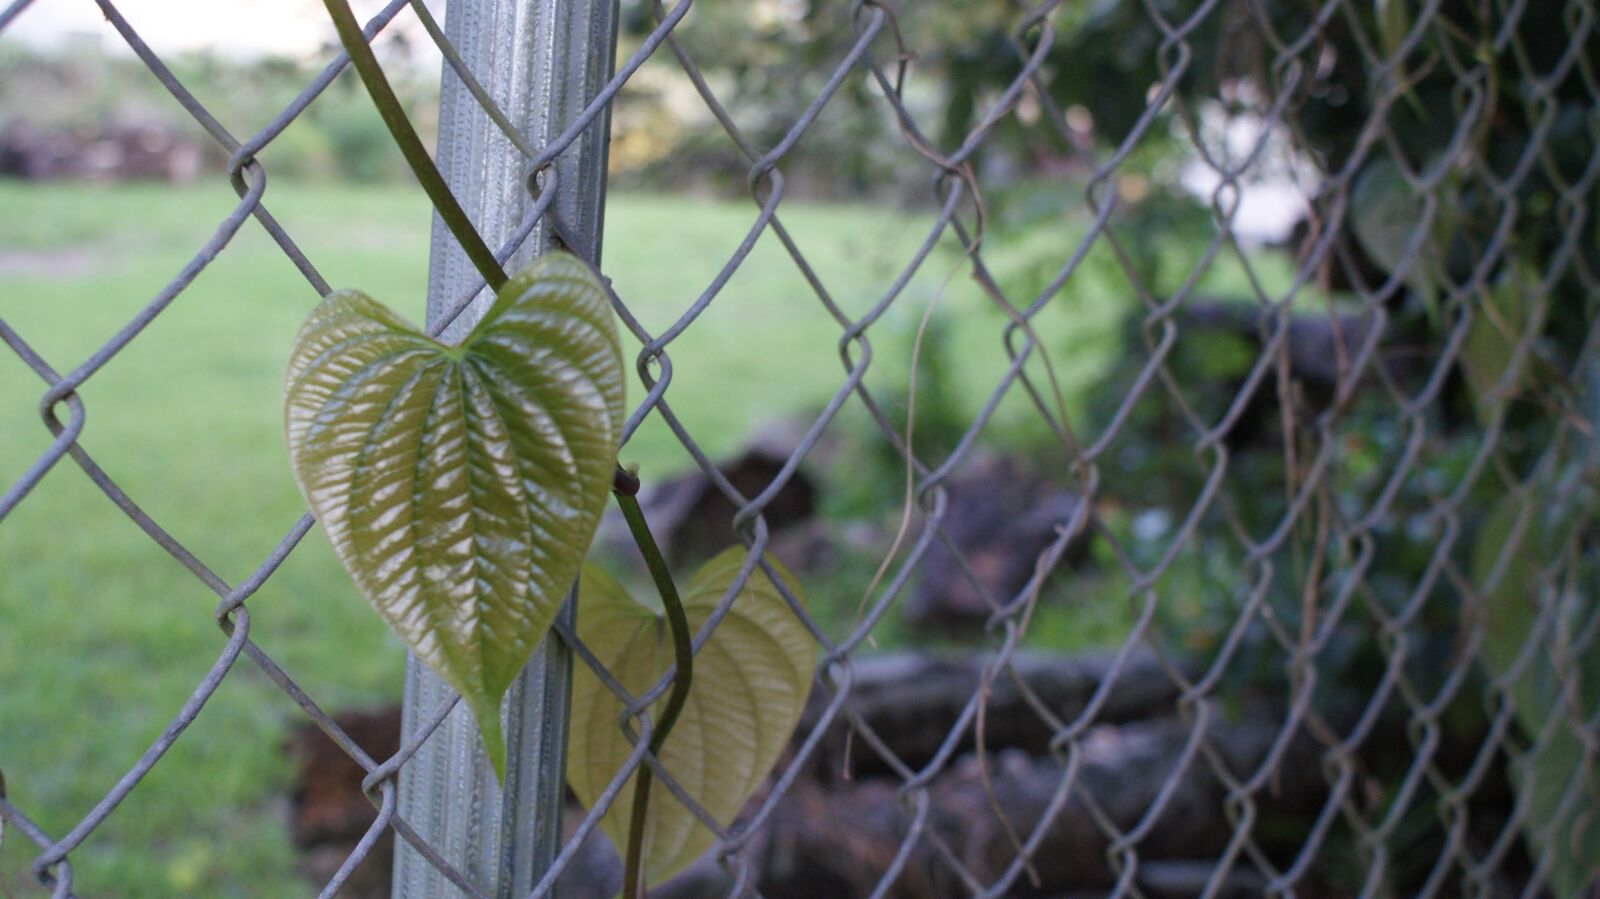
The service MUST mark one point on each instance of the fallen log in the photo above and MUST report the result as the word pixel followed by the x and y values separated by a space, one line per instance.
pixel 1001 517
pixel 328 813
pixel 837 840
pixel 912 701
pixel 833 835
pixel 691 518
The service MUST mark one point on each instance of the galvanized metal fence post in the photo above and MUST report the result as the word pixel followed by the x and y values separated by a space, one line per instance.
pixel 541 61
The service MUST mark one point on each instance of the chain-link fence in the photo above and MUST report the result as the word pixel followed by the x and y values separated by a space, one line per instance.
pixel 1342 519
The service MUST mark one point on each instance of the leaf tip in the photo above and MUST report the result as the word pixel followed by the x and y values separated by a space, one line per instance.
pixel 494 741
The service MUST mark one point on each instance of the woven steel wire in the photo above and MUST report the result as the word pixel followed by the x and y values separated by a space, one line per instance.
pixel 877 56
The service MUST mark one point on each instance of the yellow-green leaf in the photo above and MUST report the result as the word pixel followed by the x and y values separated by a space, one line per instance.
pixel 1394 23
pixel 751 680
pixel 1385 213
pixel 1499 323
pixel 1556 762
pixel 461 485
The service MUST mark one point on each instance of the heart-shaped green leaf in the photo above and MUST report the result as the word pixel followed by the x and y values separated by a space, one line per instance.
pixel 1385 213
pixel 461 485
pixel 750 684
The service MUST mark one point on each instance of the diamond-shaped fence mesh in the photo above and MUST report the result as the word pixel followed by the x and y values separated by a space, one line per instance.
pixel 1338 523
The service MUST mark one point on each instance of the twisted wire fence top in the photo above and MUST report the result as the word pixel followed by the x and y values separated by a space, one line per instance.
pixel 1387 454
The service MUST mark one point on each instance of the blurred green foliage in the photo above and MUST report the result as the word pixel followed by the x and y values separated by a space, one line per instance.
pixel 84 90
pixel 1389 551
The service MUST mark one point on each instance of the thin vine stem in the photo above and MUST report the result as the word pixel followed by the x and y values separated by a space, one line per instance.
pixel 624 487
pixel 405 137
pixel 624 484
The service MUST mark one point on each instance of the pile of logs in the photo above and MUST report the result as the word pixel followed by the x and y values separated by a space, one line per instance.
pixel 846 817
pixel 117 152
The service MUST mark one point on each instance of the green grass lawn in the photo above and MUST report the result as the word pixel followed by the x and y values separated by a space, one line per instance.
pixel 103 636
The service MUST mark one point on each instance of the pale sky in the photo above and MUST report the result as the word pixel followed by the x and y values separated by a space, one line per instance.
pixel 233 27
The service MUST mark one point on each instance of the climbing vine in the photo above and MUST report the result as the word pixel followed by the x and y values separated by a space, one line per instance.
pixel 461 486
